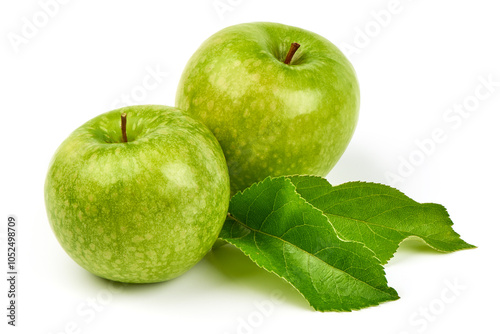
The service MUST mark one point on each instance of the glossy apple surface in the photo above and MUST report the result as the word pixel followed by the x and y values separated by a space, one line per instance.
pixel 140 211
pixel 272 118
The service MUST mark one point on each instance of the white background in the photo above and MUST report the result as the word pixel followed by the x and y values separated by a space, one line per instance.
pixel 413 66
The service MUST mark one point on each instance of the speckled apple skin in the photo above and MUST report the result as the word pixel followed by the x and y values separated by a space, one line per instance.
pixel 271 118
pixel 143 211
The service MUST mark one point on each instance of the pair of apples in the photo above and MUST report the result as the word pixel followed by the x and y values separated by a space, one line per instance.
pixel 140 194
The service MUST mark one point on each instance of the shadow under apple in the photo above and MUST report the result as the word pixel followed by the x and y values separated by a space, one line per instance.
pixel 237 269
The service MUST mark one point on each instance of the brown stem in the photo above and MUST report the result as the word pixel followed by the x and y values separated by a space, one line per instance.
pixel 293 48
pixel 124 127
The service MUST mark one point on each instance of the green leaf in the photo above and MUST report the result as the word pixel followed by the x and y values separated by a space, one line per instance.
pixel 379 216
pixel 284 234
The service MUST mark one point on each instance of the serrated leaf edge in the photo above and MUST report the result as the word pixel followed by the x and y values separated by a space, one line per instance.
pixel 393 297
pixel 470 246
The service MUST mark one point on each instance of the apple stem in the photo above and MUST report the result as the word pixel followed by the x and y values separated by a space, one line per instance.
pixel 124 127
pixel 293 48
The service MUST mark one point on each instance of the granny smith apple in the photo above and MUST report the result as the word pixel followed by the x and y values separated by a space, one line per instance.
pixel 272 115
pixel 138 194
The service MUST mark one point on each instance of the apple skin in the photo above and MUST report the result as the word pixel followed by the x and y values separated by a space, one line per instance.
pixel 271 118
pixel 142 211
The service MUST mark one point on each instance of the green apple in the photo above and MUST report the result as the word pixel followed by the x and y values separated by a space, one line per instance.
pixel 138 194
pixel 272 115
